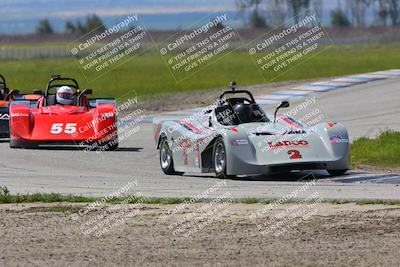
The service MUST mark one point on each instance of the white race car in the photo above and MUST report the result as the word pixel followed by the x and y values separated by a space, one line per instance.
pixel 236 137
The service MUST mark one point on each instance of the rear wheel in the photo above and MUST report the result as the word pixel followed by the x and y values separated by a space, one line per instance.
pixel 336 172
pixel 219 158
pixel 166 160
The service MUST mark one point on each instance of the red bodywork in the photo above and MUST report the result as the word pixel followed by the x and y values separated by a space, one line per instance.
pixel 59 124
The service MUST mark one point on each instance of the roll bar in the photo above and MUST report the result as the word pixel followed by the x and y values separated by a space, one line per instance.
pixel 233 91
pixel 55 78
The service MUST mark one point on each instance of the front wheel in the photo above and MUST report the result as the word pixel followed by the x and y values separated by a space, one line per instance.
pixel 15 144
pixel 166 160
pixel 112 145
pixel 23 144
pixel 219 158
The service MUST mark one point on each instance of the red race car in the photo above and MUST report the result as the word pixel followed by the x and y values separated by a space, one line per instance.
pixel 6 96
pixel 63 116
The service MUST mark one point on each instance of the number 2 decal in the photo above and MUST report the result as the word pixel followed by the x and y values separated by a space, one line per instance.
pixel 294 154
pixel 58 128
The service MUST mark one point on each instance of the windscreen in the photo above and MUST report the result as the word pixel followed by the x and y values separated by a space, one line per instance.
pixel 240 113
pixel 246 113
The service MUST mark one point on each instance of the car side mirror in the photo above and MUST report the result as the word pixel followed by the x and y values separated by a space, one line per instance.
pixel 284 104
pixel 11 94
pixel 88 91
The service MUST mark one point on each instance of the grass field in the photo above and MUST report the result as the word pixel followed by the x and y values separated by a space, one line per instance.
pixel 147 74
pixel 383 151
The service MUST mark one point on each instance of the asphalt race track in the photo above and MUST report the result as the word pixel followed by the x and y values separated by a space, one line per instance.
pixel 365 109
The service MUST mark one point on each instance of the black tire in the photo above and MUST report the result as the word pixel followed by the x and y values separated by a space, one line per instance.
pixel 15 144
pixel 23 144
pixel 166 160
pixel 107 144
pixel 336 172
pixel 30 145
pixel 219 159
pixel 112 145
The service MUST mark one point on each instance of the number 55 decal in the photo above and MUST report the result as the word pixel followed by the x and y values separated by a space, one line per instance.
pixel 58 128
pixel 294 154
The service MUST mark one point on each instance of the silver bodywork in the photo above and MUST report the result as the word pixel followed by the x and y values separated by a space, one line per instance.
pixel 253 148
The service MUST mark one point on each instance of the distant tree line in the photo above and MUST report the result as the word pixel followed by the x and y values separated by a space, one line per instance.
pixel 44 27
pixel 272 13
pixel 91 23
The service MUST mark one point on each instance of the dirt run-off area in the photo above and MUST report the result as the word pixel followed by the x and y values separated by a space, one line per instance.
pixel 60 234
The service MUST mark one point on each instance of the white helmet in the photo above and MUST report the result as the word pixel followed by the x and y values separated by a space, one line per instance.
pixel 64 95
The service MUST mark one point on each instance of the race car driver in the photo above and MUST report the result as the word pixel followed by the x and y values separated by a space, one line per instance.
pixel 65 95
pixel 246 113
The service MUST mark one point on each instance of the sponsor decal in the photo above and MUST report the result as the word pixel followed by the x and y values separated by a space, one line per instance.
pixel 337 139
pixel 239 142
pixel 4 117
pixel 185 143
pixel 295 132
pixel 280 144
pixel 19 115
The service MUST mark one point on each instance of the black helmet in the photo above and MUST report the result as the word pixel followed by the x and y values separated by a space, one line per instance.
pixel 243 112
pixel 248 113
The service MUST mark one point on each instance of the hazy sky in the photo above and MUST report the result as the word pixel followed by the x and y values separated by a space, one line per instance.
pixel 21 16
pixel 73 8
